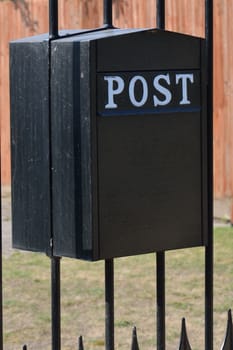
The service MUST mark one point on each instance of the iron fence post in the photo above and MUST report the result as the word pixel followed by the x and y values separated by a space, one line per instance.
pixel 160 256
pixel 161 327
pixel 55 261
pixel 109 263
pixel 53 18
pixel 109 304
pixel 209 247
pixel 55 303
pixel 108 13
pixel 160 14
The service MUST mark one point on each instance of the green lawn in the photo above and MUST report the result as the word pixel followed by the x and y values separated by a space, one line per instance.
pixel 26 283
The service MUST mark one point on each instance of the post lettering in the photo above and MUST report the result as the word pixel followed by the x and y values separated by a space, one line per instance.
pixel 147 91
pixel 119 83
pixel 133 81
pixel 164 91
pixel 184 83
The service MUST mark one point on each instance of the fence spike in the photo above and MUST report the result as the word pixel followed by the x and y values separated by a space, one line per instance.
pixel 184 342
pixel 24 347
pixel 134 345
pixel 80 343
pixel 228 342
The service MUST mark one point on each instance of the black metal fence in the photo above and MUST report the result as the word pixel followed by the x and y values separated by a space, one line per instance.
pixel 184 341
pixel 160 256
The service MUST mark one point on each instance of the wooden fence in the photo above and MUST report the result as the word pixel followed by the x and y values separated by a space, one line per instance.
pixel 20 18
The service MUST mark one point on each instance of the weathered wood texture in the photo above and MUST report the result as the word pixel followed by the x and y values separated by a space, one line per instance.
pixel 20 18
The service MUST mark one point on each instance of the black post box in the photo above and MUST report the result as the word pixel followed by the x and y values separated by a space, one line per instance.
pixel 129 143
pixel 111 159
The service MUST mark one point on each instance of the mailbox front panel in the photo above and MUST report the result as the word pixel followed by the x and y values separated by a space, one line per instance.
pixel 151 151
pixel 148 195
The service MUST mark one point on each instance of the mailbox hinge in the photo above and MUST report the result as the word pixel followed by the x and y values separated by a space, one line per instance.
pixel 51 243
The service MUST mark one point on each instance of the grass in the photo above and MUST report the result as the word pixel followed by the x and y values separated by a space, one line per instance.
pixel 26 283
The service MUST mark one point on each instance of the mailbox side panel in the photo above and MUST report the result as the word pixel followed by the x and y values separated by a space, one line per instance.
pixel 30 145
pixel 71 150
pixel 67 221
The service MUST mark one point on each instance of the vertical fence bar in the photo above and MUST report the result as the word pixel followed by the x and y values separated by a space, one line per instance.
pixel 160 14
pixel 53 18
pixel 109 264
pixel 55 261
pixel 109 304
pixel 108 13
pixel 160 256
pixel 161 327
pixel 209 248
pixel 55 303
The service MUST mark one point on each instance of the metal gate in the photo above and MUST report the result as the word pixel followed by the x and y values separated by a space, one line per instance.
pixel 160 256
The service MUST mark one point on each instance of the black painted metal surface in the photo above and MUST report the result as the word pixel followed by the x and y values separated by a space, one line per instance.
pixel 160 14
pixel 55 303
pixel 160 256
pixel 184 342
pixel 109 304
pixel 161 300
pixel 55 261
pixel 134 344
pixel 80 343
pixel 209 248
pixel 107 15
pixel 228 341
pixel 53 19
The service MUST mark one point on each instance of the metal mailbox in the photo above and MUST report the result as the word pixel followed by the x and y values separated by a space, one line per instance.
pixel 122 146
pixel 128 143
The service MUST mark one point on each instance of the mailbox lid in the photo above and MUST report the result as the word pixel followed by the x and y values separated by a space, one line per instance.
pixel 148 49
